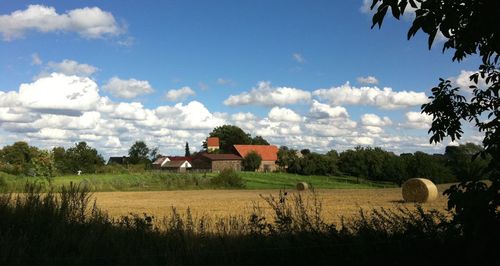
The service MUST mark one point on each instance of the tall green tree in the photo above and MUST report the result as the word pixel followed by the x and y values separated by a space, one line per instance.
pixel 286 157
pixel 259 140
pixel 138 153
pixel 18 158
pixel 470 27
pixel 187 152
pixel 462 163
pixel 82 157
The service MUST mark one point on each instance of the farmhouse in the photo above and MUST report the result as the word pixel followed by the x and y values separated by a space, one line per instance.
pixel 268 153
pixel 118 160
pixel 173 163
pixel 212 144
pixel 217 162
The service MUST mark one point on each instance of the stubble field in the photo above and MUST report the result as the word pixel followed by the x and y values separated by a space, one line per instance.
pixel 222 203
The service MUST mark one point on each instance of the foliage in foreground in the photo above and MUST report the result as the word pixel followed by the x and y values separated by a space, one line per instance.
pixel 62 229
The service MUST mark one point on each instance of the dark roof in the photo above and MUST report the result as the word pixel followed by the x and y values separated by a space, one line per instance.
pixel 118 160
pixel 174 164
pixel 221 157
pixel 180 158
pixel 266 152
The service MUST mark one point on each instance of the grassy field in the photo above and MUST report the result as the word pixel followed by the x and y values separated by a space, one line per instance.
pixel 159 181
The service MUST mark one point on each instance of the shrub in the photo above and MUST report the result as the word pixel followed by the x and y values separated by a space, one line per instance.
pixel 228 178
pixel 252 161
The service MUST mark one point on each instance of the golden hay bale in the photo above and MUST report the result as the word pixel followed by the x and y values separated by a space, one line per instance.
pixel 419 190
pixel 302 186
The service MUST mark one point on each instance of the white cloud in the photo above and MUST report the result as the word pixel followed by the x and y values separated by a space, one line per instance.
pixel 113 142
pixel 9 99
pixel 463 81
pixel 71 67
pixel 375 120
pixel 243 117
pixel 370 80
pixel 374 130
pixel 320 111
pixel 10 115
pixel 127 89
pixel 298 57
pixel 417 120
pixel 35 59
pixel 384 98
pixel 88 22
pixel 362 141
pixel 52 133
pixel 59 92
pixel 266 95
pixel 180 94
pixel 278 114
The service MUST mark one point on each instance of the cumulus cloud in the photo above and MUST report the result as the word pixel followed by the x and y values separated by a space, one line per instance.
pixel 59 92
pixel 375 120
pixel 112 126
pixel 88 22
pixel 180 94
pixel 417 120
pixel 278 114
pixel 384 98
pixel 362 141
pixel 71 67
pixel 243 117
pixel 298 57
pixel 463 81
pixel 53 133
pixel 127 88
pixel 266 95
pixel 370 80
pixel 320 110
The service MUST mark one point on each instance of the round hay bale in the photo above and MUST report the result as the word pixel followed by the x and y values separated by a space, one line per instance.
pixel 302 186
pixel 419 190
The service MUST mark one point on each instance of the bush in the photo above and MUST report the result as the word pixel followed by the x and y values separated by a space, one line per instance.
pixel 228 178
pixel 252 161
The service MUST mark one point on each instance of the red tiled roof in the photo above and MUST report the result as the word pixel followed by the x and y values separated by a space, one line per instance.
pixel 221 157
pixel 266 152
pixel 213 141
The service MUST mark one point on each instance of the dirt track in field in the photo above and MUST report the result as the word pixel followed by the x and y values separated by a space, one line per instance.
pixel 336 202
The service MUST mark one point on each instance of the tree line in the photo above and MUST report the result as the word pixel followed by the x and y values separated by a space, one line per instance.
pixel 458 163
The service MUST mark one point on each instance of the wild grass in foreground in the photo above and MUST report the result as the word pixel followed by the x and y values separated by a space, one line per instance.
pixel 66 229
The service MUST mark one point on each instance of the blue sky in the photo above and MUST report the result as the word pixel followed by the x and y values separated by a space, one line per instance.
pixel 306 74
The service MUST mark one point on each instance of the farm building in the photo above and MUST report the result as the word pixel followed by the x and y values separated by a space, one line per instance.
pixel 173 163
pixel 268 153
pixel 217 162
pixel 118 160
pixel 212 144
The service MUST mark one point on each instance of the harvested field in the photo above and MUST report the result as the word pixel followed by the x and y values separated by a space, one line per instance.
pixel 336 202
